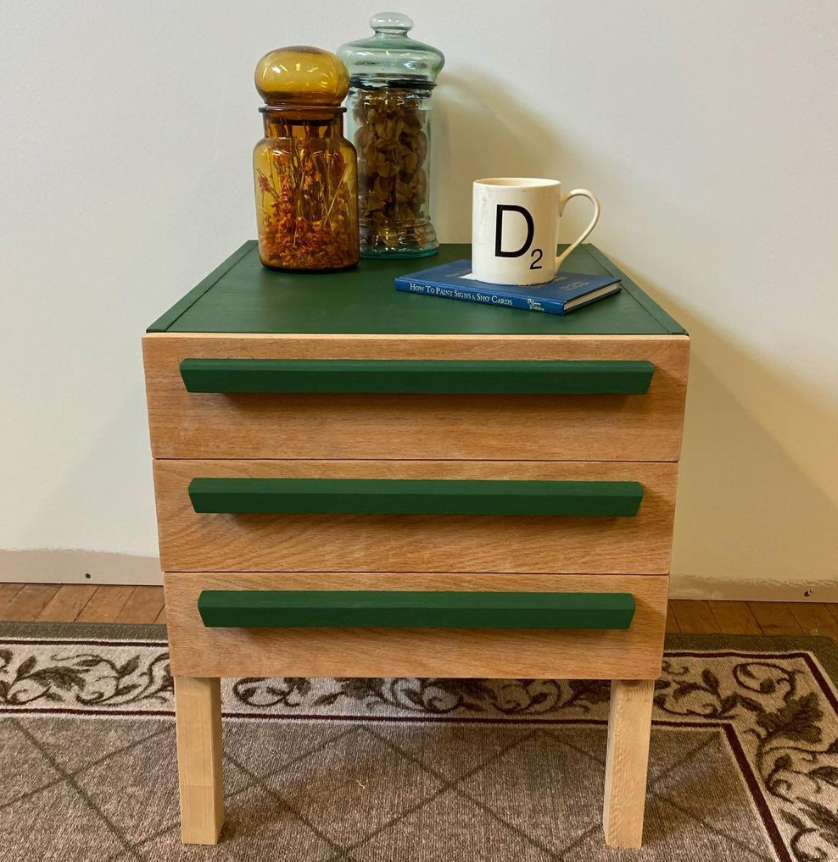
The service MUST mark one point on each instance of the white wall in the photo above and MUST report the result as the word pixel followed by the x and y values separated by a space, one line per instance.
pixel 708 129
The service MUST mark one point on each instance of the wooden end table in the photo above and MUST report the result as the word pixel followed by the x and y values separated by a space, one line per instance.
pixel 352 481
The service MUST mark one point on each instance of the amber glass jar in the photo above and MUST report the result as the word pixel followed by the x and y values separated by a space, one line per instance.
pixel 306 175
pixel 389 121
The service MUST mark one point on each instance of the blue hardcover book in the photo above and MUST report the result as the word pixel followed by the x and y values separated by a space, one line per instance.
pixel 565 293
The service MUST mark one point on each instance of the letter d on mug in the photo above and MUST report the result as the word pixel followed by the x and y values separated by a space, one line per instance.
pixel 515 229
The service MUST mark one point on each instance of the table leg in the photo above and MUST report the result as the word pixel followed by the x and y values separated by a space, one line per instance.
pixel 626 762
pixel 198 725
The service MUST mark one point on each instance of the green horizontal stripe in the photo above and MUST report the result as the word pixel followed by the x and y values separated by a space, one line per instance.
pixel 396 609
pixel 430 377
pixel 242 296
pixel 414 497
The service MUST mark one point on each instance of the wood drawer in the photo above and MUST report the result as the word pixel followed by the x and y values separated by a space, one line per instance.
pixel 595 530
pixel 633 653
pixel 437 399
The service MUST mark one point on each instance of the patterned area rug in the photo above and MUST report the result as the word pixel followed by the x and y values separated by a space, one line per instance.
pixel 744 758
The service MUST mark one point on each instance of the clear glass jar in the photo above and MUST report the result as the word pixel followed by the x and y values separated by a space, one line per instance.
pixel 391 80
pixel 305 171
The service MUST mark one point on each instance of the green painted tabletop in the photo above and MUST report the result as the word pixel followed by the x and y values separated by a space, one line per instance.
pixel 243 296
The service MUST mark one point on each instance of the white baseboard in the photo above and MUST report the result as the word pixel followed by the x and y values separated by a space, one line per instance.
pixel 688 587
pixel 72 566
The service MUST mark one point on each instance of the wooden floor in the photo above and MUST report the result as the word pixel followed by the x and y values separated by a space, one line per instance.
pixel 117 604
pixel 81 603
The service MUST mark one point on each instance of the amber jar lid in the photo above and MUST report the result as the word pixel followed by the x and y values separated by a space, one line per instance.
pixel 391 57
pixel 301 77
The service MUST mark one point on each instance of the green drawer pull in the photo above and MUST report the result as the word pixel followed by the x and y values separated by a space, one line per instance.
pixel 414 497
pixel 397 609
pixel 424 377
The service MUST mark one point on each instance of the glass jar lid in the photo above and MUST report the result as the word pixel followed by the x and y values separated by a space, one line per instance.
pixel 301 76
pixel 391 57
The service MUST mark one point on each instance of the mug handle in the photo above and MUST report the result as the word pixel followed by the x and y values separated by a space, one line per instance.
pixel 584 235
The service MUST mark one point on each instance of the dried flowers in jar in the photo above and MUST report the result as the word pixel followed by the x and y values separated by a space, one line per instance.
pixel 391 79
pixel 305 171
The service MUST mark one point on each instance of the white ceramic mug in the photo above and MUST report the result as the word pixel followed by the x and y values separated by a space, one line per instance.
pixel 515 229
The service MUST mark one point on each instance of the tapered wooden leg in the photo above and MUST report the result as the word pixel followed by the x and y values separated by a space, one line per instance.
pixel 627 760
pixel 198 723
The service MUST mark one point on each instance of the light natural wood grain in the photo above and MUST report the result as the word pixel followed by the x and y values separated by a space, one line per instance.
pixel 67 603
pixel 7 593
pixel 734 618
pixel 626 761
pixel 213 542
pixel 639 427
pixel 105 604
pixel 29 602
pixel 775 618
pixel 199 751
pixel 694 618
pixel 814 618
pixel 143 606
pixel 730 617
pixel 199 651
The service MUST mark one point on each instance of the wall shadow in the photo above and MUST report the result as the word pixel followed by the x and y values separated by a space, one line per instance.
pixel 480 129
pixel 751 520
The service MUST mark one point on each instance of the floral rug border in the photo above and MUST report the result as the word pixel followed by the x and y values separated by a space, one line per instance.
pixel 774 700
